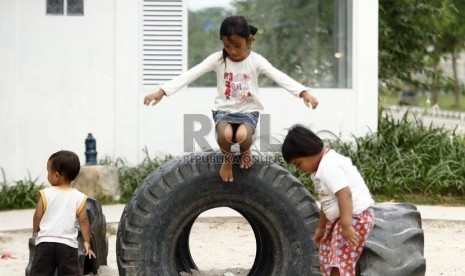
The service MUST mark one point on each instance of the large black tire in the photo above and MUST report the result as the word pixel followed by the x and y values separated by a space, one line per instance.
pixel 395 245
pixel 153 233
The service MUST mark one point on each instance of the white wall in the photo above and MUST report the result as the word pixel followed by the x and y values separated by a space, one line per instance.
pixel 63 72
pixel 62 77
pixel 7 85
pixel 365 67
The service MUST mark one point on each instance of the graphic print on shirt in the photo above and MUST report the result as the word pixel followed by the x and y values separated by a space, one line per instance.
pixel 237 88
pixel 325 199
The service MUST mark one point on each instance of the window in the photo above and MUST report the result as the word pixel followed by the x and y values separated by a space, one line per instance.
pixel 308 40
pixel 75 7
pixel 72 7
pixel 55 7
pixel 163 40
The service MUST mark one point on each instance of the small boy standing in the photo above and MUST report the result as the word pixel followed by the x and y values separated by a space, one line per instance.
pixel 54 224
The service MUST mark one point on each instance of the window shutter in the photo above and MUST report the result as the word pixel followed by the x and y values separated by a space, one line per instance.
pixel 164 42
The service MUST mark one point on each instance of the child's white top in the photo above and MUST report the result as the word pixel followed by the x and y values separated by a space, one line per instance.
pixel 334 173
pixel 237 82
pixel 61 208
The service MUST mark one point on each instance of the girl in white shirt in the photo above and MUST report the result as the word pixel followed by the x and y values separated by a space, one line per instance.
pixel 237 104
pixel 346 217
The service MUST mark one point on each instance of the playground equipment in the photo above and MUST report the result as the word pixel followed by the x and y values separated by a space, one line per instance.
pixel 154 230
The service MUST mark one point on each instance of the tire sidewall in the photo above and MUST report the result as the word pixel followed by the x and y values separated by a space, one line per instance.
pixel 195 188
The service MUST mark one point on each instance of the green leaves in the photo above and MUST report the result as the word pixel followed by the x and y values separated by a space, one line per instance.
pixel 405 156
pixel 131 176
pixel 407 31
pixel 414 36
pixel 19 195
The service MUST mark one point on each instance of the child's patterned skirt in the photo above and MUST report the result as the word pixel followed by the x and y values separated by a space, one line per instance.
pixel 335 252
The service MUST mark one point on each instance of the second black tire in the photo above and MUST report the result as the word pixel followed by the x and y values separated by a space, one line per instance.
pixel 396 243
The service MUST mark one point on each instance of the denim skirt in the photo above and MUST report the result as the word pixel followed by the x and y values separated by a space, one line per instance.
pixel 250 118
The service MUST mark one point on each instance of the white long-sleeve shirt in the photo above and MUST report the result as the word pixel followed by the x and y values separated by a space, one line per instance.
pixel 237 82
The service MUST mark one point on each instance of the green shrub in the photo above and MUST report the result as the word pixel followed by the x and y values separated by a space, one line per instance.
pixel 403 159
pixel 20 195
pixel 405 156
pixel 131 176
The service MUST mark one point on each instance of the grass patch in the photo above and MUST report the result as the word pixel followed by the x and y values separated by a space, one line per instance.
pixel 421 199
pixel 445 102
pixel 19 195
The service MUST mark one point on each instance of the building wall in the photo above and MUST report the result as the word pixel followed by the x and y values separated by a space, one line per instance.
pixel 62 77
pixel 7 85
pixel 61 83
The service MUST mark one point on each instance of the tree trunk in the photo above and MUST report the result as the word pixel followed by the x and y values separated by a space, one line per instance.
pixel 435 86
pixel 456 80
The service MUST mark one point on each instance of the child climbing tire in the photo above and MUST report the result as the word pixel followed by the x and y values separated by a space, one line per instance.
pixel 153 233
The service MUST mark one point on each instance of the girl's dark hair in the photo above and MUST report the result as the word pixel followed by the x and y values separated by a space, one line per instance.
pixel 237 25
pixel 300 142
pixel 65 163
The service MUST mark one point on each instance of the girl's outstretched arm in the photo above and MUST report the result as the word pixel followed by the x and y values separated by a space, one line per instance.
pixel 177 83
pixel 154 98
pixel 309 99
pixel 286 82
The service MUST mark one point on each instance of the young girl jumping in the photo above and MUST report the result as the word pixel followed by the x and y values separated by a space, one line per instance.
pixel 346 217
pixel 237 104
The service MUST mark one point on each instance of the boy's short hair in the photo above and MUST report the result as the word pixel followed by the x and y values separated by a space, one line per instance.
pixel 300 142
pixel 65 163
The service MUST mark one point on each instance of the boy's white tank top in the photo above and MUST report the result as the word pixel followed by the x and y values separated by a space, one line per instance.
pixel 61 208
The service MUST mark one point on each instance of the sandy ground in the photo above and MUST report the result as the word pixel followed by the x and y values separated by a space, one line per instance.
pixel 226 247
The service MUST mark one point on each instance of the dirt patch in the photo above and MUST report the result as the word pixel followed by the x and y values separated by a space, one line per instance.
pixel 226 246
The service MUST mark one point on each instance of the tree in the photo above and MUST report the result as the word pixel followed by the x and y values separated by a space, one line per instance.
pixel 453 41
pixel 406 34
pixel 296 36
pixel 440 48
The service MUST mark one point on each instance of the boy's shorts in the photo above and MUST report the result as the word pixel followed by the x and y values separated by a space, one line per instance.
pixel 49 256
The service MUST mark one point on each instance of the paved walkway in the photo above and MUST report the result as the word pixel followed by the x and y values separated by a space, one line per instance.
pixel 22 219
pixel 435 117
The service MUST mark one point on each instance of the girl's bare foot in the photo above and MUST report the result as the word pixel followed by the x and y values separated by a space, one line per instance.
pixel 246 160
pixel 226 172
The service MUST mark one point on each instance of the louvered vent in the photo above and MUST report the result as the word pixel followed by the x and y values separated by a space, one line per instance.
pixel 163 40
